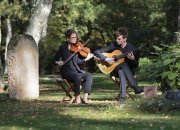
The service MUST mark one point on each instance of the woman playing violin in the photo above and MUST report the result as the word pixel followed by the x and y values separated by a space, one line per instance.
pixel 70 69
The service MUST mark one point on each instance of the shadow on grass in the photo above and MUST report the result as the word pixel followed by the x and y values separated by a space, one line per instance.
pixel 46 115
pixel 47 112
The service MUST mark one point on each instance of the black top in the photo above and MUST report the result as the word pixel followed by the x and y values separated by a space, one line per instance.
pixel 72 65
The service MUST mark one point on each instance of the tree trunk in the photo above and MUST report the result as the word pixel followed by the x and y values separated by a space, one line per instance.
pixel 178 35
pixel 38 22
pixel 0 32
pixel 1 67
pixel 8 37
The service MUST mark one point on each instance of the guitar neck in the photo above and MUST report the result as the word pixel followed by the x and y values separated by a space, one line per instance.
pixel 126 53
pixel 121 56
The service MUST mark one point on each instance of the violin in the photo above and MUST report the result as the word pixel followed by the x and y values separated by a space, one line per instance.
pixel 83 51
pixel 79 47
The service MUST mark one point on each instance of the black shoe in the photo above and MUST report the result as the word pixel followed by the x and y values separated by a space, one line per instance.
pixel 121 99
pixel 138 90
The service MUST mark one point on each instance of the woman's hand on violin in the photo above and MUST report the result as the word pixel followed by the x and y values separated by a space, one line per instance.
pixel 60 63
pixel 89 56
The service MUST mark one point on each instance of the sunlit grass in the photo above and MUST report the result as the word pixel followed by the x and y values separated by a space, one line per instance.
pixel 103 112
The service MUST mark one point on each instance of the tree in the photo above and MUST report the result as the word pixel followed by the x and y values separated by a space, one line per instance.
pixel 23 74
pixel 178 34
pixel 1 69
pixel 8 8
pixel 8 37
pixel 38 22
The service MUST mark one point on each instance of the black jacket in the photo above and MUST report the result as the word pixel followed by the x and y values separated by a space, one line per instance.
pixel 72 65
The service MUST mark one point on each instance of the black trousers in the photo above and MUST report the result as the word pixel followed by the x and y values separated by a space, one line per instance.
pixel 77 78
pixel 124 73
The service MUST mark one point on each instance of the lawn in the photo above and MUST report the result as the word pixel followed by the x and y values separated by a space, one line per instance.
pixel 103 112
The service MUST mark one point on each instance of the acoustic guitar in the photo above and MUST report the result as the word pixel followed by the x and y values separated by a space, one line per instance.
pixel 107 68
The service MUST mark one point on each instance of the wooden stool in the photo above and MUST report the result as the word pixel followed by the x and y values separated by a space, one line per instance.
pixel 67 88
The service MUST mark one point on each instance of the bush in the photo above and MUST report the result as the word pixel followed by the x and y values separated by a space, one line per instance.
pixel 165 68
pixel 144 64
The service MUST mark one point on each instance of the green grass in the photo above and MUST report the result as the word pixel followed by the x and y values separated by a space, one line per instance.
pixel 103 112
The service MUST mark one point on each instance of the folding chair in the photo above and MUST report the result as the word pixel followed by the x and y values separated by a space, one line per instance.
pixel 68 88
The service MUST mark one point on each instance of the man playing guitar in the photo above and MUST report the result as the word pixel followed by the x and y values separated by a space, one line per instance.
pixel 124 70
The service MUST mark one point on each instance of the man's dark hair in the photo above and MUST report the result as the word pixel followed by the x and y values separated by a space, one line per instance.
pixel 122 31
pixel 69 32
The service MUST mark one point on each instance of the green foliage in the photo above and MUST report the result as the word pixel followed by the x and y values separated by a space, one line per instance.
pixel 147 20
pixel 46 52
pixel 144 64
pixel 76 14
pixel 8 8
pixel 18 13
pixel 165 69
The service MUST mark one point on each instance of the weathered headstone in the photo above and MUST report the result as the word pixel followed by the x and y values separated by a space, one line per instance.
pixel 22 66
pixel 150 91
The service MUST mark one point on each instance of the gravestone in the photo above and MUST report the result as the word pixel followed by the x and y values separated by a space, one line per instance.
pixel 22 67
pixel 150 91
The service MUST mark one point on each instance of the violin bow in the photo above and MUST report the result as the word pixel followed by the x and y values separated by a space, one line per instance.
pixel 75 52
